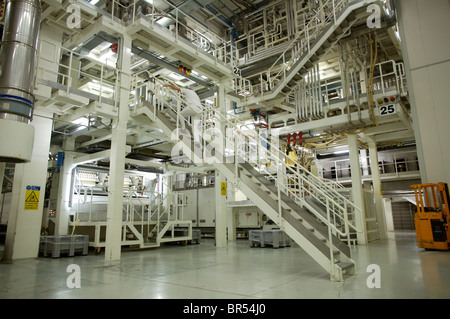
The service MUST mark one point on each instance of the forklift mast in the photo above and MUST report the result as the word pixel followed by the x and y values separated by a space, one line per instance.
pixel 433 216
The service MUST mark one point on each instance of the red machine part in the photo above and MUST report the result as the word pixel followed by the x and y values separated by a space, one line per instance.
pixel 2 9
pixel 294 138
pixel 115 48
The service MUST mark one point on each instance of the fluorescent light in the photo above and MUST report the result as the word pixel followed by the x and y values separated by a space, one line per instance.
pixel 163 20
pixel 103 58
pixel 176 77
pixel 94 2
pixel 81 121
pixel 98 87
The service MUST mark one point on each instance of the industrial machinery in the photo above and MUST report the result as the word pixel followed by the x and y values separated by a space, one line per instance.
pixel 433 216
pixel 17 68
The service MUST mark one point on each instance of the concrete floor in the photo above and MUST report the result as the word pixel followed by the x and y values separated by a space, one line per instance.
pixel 237 272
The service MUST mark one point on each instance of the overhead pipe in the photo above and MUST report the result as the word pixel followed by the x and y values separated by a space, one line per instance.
pixel 316 91
pixel 358 67
pixel 17 70
pixel 319 88
pixel 312 83
pixel 302 95
pixel 343 65
pixel 305 100
pixel 312 95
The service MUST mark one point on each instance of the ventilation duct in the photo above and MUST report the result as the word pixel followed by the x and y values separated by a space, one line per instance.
pixel 17 69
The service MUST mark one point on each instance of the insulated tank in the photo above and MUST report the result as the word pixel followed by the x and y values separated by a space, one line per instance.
pixel 17 71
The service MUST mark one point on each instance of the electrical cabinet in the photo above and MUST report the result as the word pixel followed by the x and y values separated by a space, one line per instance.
pixel 206 207
pixel 190 206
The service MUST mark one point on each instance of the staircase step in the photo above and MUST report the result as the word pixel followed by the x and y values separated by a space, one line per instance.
pixel 299 211
pixel 149 245
pixel 345 265
pixel 339 31
pixel 345 23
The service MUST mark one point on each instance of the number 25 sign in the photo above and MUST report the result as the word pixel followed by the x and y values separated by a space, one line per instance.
pixel 387 109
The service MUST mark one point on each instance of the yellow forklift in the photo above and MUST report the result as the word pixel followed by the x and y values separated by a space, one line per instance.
pixel 432 218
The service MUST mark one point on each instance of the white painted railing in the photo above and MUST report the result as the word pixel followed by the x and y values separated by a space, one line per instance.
pixel 267 154
pixel 165 15
pixel 59 69
pixel 301 44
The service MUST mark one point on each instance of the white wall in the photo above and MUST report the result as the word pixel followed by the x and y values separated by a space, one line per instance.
pixel 24 225
pixel 424 28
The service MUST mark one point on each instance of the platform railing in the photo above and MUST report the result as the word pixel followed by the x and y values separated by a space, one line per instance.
pixel 301 44
pixel 268 154
pixel 168 16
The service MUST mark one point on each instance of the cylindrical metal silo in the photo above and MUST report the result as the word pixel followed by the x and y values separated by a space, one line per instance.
pixel 17 70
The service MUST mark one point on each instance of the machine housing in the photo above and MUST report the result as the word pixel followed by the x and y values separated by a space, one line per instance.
pixel 432 216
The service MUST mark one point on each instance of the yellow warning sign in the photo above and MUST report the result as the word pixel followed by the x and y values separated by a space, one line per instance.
pixel 223 189
pixel 32 197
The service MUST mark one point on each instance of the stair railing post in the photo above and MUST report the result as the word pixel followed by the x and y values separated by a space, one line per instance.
pixel 90 204
pixel 178 117
pixel 346 221
pixel 307 38
pixel 69 75
pixel 176 25
pixel 330 239
pixel 334 12
pixel 279 182
pixel 158 220
pixel 258 142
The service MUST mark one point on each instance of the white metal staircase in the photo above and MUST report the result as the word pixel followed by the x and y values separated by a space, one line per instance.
pixel 144 223
pixel 320 232
pixel 165 218
pixel 304 52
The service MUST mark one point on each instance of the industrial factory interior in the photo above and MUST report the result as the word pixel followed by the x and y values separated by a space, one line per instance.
pixel 224 149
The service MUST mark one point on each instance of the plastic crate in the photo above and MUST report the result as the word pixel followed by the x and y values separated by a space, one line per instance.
pixel 183 232
pixel 275 238
pixel 55 246
pixel 196 235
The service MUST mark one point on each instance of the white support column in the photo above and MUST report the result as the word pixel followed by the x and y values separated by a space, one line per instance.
pixel 357 189
pixel 2 176
pixel 232 223
pixel 27 202
pixel 364 162
pixel 64 187
pixel 387 203
pixel 221 210
pixel 220 181
pixel 376 182
pixel 231 213
pixel 117 160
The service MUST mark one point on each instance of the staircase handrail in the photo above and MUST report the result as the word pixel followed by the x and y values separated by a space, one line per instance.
pixel 312 24
pixel 318 185
pixel 306 31
pixel 330 195
pixel 312 177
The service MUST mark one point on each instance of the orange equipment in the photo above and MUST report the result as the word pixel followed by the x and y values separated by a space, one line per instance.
pixel 432 218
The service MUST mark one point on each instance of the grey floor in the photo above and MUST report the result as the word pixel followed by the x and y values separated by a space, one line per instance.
pixel 237 272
